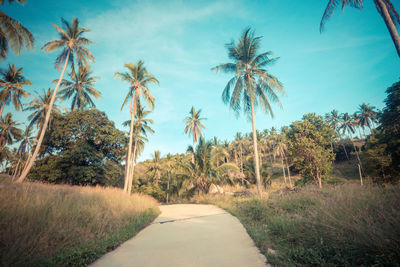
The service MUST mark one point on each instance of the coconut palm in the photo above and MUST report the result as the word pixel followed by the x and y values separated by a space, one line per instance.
pixel 23 148
pixel 12 81
pixel 155 167
pixel 367 116
pixel 347 126
pixel 9 131
pixel 80 88
pixel 141 127
pixel 138 79
pixel 193 125
pixel 204 170
pixel 141 123
pixel 39 107
pixel 252 85
pixel 333 119
pixel 13 34
pixel 73 45
pixel 385 9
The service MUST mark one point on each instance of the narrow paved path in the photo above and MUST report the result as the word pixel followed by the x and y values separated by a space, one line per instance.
pixel 188 235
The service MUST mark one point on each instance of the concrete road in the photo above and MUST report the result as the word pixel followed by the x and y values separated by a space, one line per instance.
pixel 188 235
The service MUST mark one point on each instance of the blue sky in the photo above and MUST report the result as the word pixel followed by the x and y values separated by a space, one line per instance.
pixel 352 62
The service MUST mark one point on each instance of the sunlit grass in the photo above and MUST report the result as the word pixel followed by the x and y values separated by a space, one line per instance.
pixel 65 225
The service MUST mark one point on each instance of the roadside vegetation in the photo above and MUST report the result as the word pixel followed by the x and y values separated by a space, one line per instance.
pixel 62 225
pixel 344 225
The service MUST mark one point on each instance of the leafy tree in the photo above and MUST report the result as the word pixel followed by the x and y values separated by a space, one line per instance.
pixel 73 45
pixel 193 125
pixel 139 80
pixel 13 34
pixel 309 142
pixel 12 81
pixel 383 146
pixel 252 85
pixel 81 147
pixel 9 131
pixel 385 9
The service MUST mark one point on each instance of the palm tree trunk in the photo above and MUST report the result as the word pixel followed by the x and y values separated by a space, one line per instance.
pixel 345 152
pixel 381 6
pixel 168 189
pixel 288 171
pixel 132 168
pixel 193 151
pixel 359 162
pixel 44 128
pixel 133 111
pixel 283 170
pixel 256 166
pixel 16 169
pixel 2 108
pixel 30 152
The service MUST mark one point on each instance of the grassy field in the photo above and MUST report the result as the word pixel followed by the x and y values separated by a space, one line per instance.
pixel 56 225
pixel 343 225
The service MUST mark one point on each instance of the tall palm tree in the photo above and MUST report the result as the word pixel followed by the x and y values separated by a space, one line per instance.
pixel 193 126
pixel 333 119
pixel 367 116
pixel 12 81
pixel 155 167
pixel 9 131
pixel 80 88
pixel 347 126
pixel 73 45
pixel 23 148
pixel 385 9
pixel 252 85
pixel 39 107
pixel 141 127
pixel 13 34
pixel 138 79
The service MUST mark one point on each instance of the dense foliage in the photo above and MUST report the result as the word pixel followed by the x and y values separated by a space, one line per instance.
pixel 382 153
pixel 81 147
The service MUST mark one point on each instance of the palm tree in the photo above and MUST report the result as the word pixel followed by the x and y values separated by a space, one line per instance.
pixel 39 107
pixel 12 82
pixel 333 119
pixel 138 78
pixel 204 169
pixel 193 125
pixel 385 9
pixel 155 167
pixel 72 43
pixel 347 126
pixel 252 85
pixel 24 147
pixel 9 131
pixel 367 116
pixel 141 127
pixel 80 88
pixel 13 34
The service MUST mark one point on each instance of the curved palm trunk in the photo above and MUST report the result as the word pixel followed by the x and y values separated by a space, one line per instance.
pixel 256 166
pixel 359 163
pixel 32 149
pixel 44 128
pixel 288 170
pixel 381 6
pixel 193 151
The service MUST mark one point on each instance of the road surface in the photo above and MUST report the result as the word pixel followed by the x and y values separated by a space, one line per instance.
pixel 188 235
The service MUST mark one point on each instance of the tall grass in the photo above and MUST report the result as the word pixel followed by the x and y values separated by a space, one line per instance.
pixel 345 225
pixel 65 225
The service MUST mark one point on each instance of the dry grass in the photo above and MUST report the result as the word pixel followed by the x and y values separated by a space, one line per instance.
pixel 53 224
pixel 345 225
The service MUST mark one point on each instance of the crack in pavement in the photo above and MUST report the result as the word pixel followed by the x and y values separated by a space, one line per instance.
pixel 184 219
